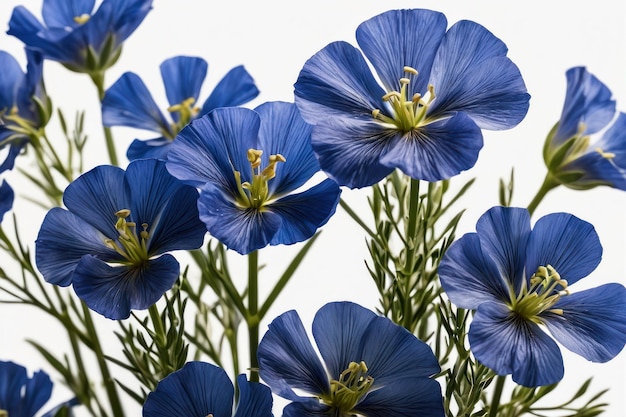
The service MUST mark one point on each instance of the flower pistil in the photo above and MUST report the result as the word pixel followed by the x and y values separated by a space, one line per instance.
pixel 541 295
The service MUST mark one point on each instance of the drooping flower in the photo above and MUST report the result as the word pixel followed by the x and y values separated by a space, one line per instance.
pixel 371 366
pixel 248 163
pixel 75 35
pixel 587 147
pixel 108 241
pixel 128 102
pixel 439 89
pixel 518 279
pixel 200 389
pixel 21 395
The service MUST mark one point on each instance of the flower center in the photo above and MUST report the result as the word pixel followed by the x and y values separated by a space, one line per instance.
pixel 541 295
pixel 186 113
pixel 130 246
pixel 347 391
pixel 4 413
pixel 82 19
pixel 408 112
pixel 255 194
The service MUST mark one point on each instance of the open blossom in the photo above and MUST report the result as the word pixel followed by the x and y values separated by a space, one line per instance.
pixel 108 241
pixel 587 147
pixel 200 389
pixel 371 366
pixel 518 279
pixel 128 102
pixel 76 35
pixel 248 165
pixel 438 90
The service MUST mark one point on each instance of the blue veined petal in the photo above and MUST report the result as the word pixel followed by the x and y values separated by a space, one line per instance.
pixel 157 148
pixel 13 378
pixel 96 196
pixel 236 88
pixel 349 151
pixel 168 206
pixel 436 151
pixel 255 400
pixel 570 245
pixel 61 13
pixel 37 392
pixel 128 102
pixel 127 15
pixel 504 233
pixel 472 74
pixel 198 389
pixel 403 397
pixel 212 147
pixel 399 38
pixel 338 329
pixel 311 408
pixel 12 76
pixel 19 394
pixel 593 322
pixel 243 230
pixel 337 81
pixel 25 26
pixel 62 241
pixel 508 345
pixel 468 277
pixel 6 198
pixel 283 131
pixel 303 213
pixel 287 359
pixel 183 77
pixel 587 102
pixel 114 290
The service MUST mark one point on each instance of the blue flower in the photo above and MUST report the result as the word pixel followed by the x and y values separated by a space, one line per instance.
pixel 128 102
pixel 587 147
pixel 21 396
pixel 438 90
pixel 248 164
pixel 372 366
pixel 518 279
pixel 200 389
pixel 75 35
pixel 6 199
pixel 108 241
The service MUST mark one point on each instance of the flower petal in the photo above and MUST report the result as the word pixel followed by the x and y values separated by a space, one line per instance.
pixel 399 38
pixel 287 359
pixel 61 13
pixel 255 400
pixel 593 322
pixel 183 77
pixel 570 245
pixel 157 148
pixel 236 88
pixel 303 213
pixel 114 291
pixel 311 408
pixel 12 77
pixel 6 198
pixel 198 389
pixel 19 394
pixel 404 397
pixel 508 345
pixel 37 392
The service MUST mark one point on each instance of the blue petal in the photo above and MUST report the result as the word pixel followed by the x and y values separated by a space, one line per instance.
pixel 215 145
pixel 436 151
pixel 337 81
pixel 306 409
pixel 468 277
pixel 570 245
pixel 243 230
pixel 472 75
pixel 508 344
pixel 302 214
pixel 236 88
pixel 593 323
pixel 126 16
pixel 287 359
pixel 6 198
pixel 588 103
pixel 31 87
pixel 183 77
pixel 12 378
pixel 152 148
pixel 12 77
pixel 198 389
pixel 404 397
pixel 37 392
pixel 255 400
pixel 14 150
pixel 129 103
pixel 349 151
pixel 19 394
pixel 283 131
pixel 61 13
pixel 63 240
pixel 168 206
pixel 400 38
pixel 114 290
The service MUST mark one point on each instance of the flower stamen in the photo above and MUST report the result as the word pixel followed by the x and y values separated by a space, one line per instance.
pixel 256 193
pixel 82 19
pixel 130 246
pixel 346 391
pixel 542 294
pixel 186 113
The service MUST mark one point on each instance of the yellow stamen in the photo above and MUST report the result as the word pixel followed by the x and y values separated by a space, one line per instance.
pixel 82 19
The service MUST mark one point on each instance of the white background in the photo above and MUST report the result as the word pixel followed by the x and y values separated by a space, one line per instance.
pixel 273 38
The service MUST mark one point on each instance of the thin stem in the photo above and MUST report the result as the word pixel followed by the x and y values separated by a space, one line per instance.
pixel 252 318
pixel 98 80
pixel 410 252
pixel 497 393
pixel 549 183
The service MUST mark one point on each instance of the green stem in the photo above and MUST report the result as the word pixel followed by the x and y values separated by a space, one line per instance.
pixel 407 271
pixel 549 183
pixel 252 318
pixel 495 402
pixel 98 80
